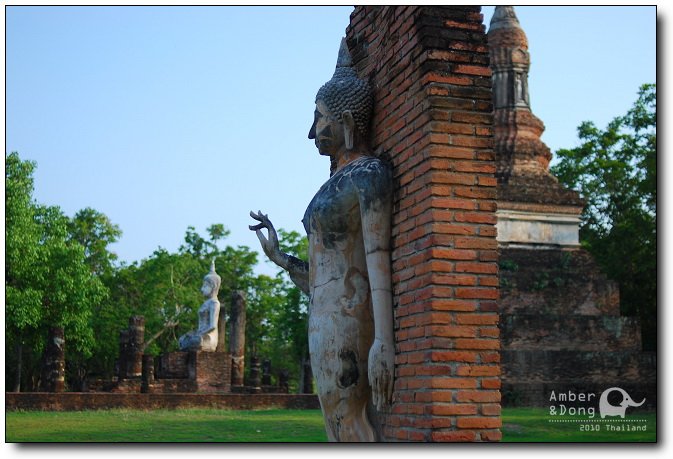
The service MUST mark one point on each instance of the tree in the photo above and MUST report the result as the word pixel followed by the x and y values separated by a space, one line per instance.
pixel 22 235
pixel 70 291
pixel 46 278
pixel 615 171
pixel 95 232
pixel 288 316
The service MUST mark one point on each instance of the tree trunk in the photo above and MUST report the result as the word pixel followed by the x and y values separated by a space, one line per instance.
pixel 19 365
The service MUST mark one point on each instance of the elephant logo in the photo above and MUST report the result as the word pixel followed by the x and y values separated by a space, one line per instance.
pixel 607 409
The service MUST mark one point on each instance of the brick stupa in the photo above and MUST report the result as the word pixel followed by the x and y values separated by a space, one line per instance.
pixel 560 321
pixel 534 210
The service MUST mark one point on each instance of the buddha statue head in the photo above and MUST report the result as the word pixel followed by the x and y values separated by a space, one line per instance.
pixel 346 101
pixel 211 282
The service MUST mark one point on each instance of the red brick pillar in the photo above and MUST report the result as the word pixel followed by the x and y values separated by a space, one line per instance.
pixel 429 67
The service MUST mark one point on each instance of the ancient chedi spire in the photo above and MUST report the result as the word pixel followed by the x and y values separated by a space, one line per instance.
pixel 510 60
pixel 525 185
pixel 523 159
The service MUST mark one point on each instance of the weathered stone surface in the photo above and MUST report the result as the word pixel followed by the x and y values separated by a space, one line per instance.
pixel 579 332
pixel 195 371
pixel 561 330
pixel 173 365
pixel 348 275
pixel 518 228
pixel 554 282
pixel 211 371
pixel 530 376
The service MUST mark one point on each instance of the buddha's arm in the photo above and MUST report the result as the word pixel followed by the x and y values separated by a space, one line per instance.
pixel 375 211
pixel 213 316
pixel 296 268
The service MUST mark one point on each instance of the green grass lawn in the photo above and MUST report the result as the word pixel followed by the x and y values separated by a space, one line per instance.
pixel 191 425
pixel 533 425
pixel 211 425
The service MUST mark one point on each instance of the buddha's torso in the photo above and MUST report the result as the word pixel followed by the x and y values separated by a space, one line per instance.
pixel 341 326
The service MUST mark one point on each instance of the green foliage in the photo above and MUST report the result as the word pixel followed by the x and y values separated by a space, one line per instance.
pixel 60 271
pixel 508 265
pixel 277 315
pixel 541 281
pixel 164 288
pixel 615 171
pixel 504 280
pixel 291 319
pixel 22 237
pixel 95 232
pixel 47 281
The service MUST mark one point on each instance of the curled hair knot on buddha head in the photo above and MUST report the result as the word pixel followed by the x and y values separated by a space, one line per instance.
pixel 345 91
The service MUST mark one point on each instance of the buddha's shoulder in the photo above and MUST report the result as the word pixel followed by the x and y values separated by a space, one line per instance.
pixel 371 175
pixel 368 165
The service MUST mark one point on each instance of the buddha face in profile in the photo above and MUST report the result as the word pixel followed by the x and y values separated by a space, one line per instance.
pixel 207 287
pixel 211 284
pixel 327 131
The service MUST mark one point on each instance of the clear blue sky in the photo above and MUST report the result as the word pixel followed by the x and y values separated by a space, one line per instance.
pixel 166 117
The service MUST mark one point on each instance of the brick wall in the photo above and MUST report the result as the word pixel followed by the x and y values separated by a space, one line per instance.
pixel 561 330
pixel 429 67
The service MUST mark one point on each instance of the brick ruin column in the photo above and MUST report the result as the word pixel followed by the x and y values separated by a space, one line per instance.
pixel 52 378
pixel 135 347
pixel 131 343
pixel 255 381
pixel 148 373
pixel 266 372
pixel 237 338
pixel 433 120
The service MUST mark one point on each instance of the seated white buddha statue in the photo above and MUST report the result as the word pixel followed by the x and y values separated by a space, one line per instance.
pixel 204 338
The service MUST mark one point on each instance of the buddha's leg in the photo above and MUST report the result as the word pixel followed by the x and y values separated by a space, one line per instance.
pixel 341 376
pixel 190 342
